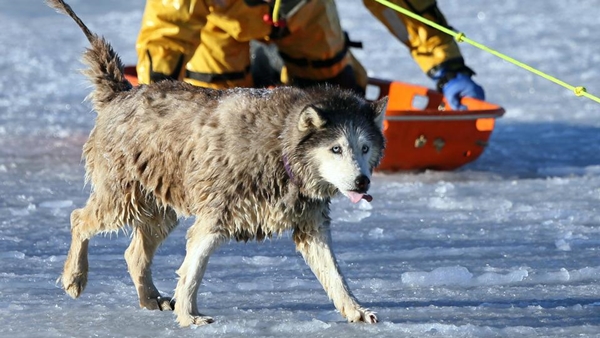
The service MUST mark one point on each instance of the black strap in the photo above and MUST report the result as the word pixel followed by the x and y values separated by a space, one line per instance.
pixel 252 3
pixel 352 44
pixel 156 76
pixel 303 62
pixel 216 77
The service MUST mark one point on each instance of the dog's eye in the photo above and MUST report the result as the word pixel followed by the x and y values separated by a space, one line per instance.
pixel 336 149
pixel 365 149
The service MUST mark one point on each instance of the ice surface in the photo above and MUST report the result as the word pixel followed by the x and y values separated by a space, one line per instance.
pixel 506 247
pixel 461 276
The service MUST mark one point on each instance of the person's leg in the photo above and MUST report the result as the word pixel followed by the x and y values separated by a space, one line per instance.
pixel 316 49
pixel 220 61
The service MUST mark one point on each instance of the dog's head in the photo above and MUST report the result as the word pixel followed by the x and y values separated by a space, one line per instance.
pixel 343 142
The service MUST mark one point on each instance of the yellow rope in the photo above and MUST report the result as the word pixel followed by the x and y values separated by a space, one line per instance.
pixel 461 37
pixel 276 10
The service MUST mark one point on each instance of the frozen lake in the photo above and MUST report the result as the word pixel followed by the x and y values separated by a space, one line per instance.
pixel 507 246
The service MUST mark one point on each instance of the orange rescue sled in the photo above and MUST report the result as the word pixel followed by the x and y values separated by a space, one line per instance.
pixel 419 133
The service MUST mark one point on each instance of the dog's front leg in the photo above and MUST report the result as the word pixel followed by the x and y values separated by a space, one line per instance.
pixel 200 245
pixel 316 250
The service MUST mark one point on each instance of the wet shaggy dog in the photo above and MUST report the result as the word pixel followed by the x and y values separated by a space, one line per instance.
pixel 246 163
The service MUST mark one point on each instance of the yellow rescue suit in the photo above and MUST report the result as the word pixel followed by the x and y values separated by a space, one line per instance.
pixel 206 42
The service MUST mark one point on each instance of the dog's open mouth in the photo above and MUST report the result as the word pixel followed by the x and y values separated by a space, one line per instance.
pixel 355 196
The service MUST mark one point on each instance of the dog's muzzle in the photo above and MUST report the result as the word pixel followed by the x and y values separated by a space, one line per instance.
pixel 361 186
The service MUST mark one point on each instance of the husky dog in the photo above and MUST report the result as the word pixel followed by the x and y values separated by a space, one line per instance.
pixel 247 163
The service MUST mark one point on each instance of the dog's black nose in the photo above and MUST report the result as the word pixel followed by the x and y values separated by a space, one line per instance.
pixel 362 183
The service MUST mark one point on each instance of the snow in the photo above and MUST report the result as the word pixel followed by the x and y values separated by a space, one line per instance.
pixel 507 246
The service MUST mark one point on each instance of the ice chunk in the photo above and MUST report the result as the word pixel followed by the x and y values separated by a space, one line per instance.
pixel 12 254
pixel 59 204
pixel 455 275
pixel 492 278
pixel 562 245
pixel 376 233
pixel 264 260
pixel 461 276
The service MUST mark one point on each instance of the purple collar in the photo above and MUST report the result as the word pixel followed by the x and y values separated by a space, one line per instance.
pixel 288 169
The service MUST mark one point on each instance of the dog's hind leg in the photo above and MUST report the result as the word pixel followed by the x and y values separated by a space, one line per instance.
pixel 145 240
pixel 201 243
pixel 316 250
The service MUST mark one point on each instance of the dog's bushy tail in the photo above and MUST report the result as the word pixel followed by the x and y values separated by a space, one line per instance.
pixel 105 67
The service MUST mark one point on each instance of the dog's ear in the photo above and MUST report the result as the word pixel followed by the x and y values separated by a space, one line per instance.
pixel 311 118
pixel 379 107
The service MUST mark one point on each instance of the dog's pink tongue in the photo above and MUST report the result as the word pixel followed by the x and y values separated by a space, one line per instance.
pixel 355 197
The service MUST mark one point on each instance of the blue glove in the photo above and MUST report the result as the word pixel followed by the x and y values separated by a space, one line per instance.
pixel 459 86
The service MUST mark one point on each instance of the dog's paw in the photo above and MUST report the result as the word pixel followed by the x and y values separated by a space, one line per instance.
pixel 198 320
pixel 166 303
pixel 159 303
pixel 74 284
pixel 362 315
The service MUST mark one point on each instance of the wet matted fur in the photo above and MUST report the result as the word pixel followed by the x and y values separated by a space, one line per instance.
pixel 246 163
